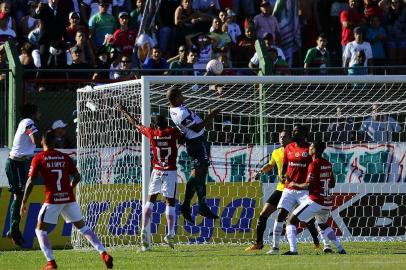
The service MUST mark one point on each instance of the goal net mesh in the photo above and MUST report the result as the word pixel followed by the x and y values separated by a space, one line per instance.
pixel 362 122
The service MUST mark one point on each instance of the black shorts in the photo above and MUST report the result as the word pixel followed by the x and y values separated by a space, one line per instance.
pixel 17 174
pixel 274 198
pixel 198 150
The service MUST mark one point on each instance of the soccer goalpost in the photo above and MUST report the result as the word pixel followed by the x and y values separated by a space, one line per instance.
pixel 360 117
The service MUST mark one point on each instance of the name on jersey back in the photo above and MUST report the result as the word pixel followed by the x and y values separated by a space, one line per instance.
pixel 297 164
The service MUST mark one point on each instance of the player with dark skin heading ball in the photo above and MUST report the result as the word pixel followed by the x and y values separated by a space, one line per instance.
pixel 193 128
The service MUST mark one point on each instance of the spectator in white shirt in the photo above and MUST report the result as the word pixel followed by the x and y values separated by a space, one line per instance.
pixel 351 49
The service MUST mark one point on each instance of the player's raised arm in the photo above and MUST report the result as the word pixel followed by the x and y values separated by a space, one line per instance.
pixel 266 168
pixel 131 119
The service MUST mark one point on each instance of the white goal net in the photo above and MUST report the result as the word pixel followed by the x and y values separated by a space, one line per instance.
pixel 360 117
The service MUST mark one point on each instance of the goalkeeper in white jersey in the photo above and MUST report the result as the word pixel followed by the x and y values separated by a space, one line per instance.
pixel 193 128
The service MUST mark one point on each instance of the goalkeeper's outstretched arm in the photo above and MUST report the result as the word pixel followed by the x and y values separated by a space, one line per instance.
pixel 266 168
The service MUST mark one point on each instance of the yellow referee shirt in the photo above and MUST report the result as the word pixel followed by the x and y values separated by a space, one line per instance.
pixel 277 159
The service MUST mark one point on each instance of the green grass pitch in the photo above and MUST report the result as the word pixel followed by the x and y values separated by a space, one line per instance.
pixel 365 256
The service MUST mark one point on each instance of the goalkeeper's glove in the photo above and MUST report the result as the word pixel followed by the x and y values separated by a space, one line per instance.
pixel 258 174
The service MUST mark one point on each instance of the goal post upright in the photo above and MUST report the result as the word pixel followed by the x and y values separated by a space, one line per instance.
pixel 145 145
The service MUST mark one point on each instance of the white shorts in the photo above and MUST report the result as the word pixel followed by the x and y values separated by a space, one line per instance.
pixel 309 209
pixel 49 213
pixel 163 182
pixel 290 198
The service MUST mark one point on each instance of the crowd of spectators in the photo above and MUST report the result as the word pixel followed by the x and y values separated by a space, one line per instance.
pixel 186 34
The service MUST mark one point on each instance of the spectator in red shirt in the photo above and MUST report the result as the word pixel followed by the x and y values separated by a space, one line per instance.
pixel 349 20
pixel 124 37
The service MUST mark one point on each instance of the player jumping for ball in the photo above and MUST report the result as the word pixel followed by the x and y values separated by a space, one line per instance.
pixel 56 168
pixel 163 178
pixel 320 180
pixel 193 128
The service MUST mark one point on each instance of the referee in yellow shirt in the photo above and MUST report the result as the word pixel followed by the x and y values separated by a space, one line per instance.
pixel 272 203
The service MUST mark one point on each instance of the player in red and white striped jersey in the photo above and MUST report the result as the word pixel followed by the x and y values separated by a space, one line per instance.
pixel 56 168
pixel 320 179
pixel 164 146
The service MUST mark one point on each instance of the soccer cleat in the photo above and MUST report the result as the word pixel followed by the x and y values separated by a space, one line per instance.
pixel 205 211
pixel 255 247
pixel 290 253
pixel 170 240
pixel 50 265
pixel 145 244
pixel 317 247
pixel 107 259
pixel 186 213
pixel 342 251
pixel 273 251
pixel 327 250
pixel 16 238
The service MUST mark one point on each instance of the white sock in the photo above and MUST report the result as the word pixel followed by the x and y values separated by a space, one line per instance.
pixel 44 244
pixel 92 238
pixel 330 234
pixel 170 219
pixel 323 238
pixel 146 214
pixel 291 235
pixel 277 232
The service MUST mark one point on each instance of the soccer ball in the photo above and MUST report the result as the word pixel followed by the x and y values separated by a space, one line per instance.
pixel 214 67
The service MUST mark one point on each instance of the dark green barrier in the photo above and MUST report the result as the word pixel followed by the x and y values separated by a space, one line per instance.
pixel 55 105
